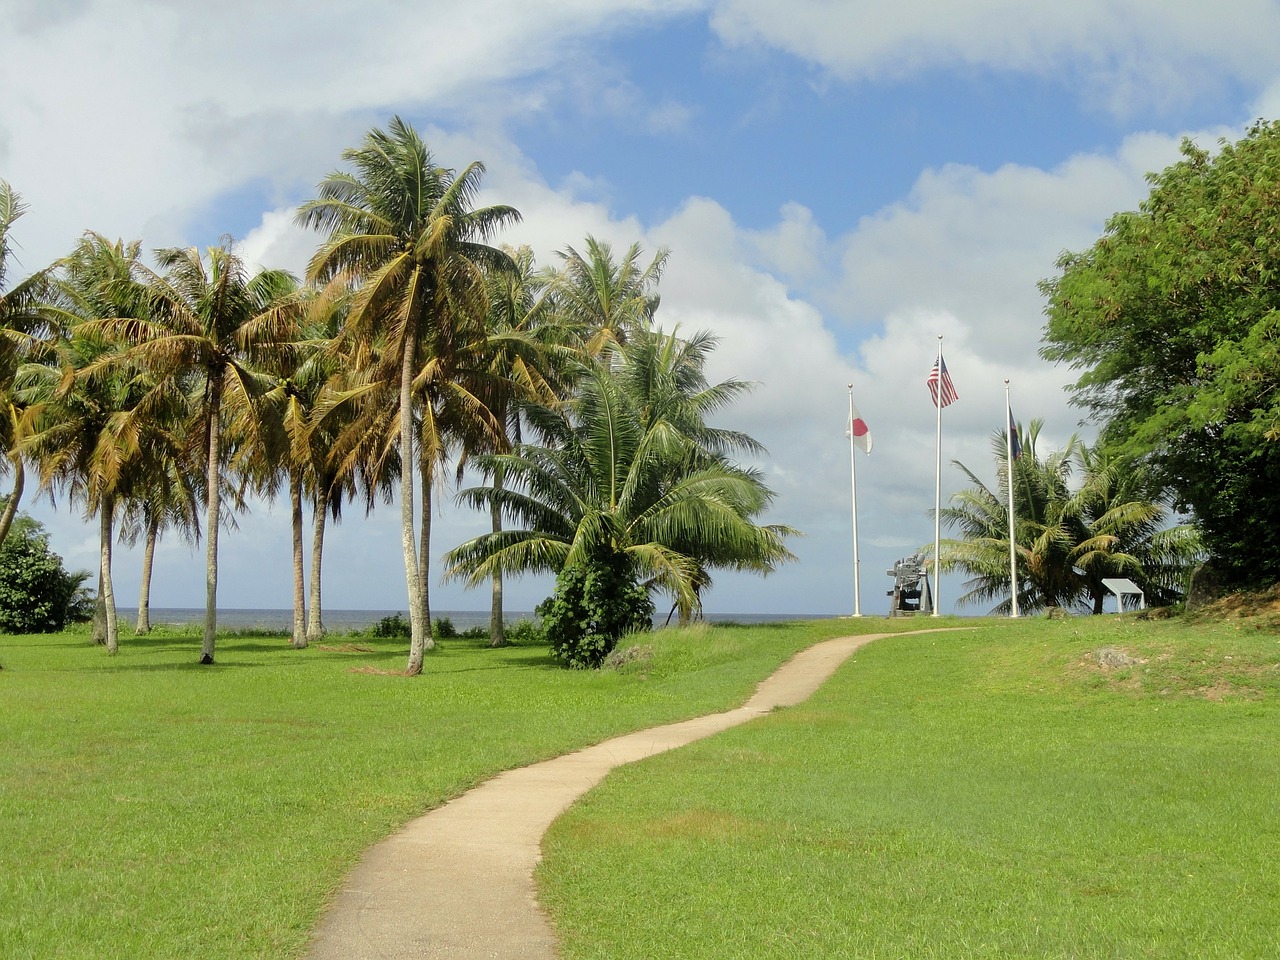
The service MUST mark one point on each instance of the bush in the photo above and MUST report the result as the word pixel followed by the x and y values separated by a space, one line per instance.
pixel 593 606
pixel 392 627
pixel 525 632
pixel 37 595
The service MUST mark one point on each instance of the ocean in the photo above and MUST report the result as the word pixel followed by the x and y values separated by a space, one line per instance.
pixel 343 621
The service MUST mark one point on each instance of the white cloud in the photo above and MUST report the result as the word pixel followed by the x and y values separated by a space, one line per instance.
pixel 1126 53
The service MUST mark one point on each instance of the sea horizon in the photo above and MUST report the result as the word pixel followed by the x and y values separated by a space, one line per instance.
pixel 341 620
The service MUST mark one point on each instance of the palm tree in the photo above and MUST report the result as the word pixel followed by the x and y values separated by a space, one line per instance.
pixel 1068 535
pixel 168 498
pixel 1126 512
pixel 407 231
pixel 1046 530
pixel 99 427
pixel 305 419
pixel 528 360
pixel 24 333
pixel 614 487
pixel 208 322
pixel 607 301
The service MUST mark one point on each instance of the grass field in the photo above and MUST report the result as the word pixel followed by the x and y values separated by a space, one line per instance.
pixel 153 808
pixel 1082 788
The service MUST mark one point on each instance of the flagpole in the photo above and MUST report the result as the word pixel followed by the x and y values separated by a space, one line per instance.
pixel 853 487
pixel 937 491
pixel 1008 465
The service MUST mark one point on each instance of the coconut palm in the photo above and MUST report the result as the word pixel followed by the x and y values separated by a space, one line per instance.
pixel 1046 530
pixel 24 334
pixel 607 300
pixel 99 425
pixel 1127 512
pixel 1079 517
pixel 208 322
pixel 613 487
pixel 528 360
pixel 408 233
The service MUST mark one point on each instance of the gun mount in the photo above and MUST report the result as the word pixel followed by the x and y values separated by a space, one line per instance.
pixel 911 592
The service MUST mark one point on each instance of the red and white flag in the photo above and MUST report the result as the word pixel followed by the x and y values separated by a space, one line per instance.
pixel 857 429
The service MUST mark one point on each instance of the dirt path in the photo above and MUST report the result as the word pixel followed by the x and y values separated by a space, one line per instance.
pixel 457 883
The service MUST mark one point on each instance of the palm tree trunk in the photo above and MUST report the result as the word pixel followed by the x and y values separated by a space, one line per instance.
pixel 99 632
pixel 106 509
pixel 417 638
pixel 11 507
pixel 315 626
pixel 213 519
pixel 497 628
pixel 426 474
pixel 299 581
pixel 148 562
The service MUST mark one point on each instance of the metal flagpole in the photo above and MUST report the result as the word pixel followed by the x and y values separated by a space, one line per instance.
pixel 853 487
pixel 1008 465
pixel 937 492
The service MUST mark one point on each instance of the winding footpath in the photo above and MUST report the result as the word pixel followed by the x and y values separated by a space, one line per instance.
pixel 457 883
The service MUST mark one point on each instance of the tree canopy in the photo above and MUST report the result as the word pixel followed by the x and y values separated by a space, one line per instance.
pixel 1173 319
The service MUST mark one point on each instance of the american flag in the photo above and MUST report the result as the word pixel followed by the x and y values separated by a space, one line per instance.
pixel 941 385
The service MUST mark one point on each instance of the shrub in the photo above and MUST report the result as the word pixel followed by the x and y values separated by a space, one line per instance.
pixel 594 604
pixel 37 595
pixel 525 632
pixel 392 627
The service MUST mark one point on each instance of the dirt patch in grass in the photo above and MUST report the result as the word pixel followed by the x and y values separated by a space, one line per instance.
pixel 1260 606
pixel 343 647
pixel 376 671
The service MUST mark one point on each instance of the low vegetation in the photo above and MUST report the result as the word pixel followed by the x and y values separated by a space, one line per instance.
pixel 157 809
pixel 1078 787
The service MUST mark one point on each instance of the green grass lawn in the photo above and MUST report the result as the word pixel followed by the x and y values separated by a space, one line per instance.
pixel 153 808
pixel 991 793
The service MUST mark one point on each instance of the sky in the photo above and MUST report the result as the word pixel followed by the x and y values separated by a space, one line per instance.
pixel 839 185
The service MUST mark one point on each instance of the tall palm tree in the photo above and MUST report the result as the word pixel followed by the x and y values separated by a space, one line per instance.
pixel 1127 515
pixel 529 356
pixel 100 427
pixel 302 440
pixel 1046 530
pixel 611 485
pixel 1069 533
pixel 24 335
pixel 607 300
pixel 408 232
pixel 209 322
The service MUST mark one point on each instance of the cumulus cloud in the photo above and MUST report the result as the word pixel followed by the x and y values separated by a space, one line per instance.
pixel 168 123
pixel 1137 52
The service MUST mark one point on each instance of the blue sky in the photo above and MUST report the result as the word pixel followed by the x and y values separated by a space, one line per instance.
pixel 839 183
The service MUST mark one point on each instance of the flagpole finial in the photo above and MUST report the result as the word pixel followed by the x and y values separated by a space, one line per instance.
pixel 851 386
pixel 1006 381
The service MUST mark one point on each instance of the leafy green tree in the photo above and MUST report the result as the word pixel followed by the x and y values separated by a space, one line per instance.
pixel 614 492
pixel 1173 319
pixel 37 595
pixel 408 233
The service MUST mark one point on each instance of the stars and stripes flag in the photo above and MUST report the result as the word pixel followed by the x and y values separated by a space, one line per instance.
pixel 940 386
